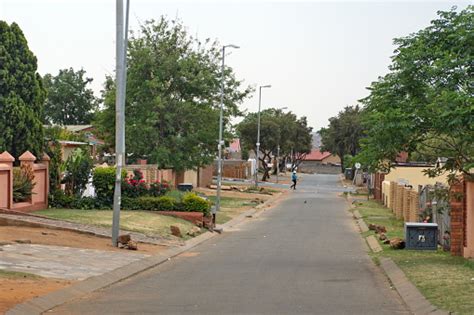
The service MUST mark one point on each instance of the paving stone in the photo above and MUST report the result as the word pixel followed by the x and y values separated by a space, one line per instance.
pixel 63 262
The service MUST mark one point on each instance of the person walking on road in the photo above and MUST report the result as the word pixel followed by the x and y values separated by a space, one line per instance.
pixel 294 179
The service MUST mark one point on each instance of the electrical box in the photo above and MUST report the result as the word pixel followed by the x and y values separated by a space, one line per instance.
pixel 422 236
pixel 185 187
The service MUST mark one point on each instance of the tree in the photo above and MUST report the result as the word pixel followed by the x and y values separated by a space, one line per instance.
pixel 425 106
pixel 173 97
pixel 21 94
pixel 276 129
pixel 342 135
pixel 69 101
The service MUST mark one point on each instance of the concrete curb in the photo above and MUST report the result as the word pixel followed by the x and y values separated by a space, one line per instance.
pixel 409 293
pixel 373 244
pixel 362 225
pixel 49 301
pixel 412 297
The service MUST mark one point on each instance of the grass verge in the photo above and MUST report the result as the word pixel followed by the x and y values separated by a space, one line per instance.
pixel 446 281
pixel 144 222
pixel 4 274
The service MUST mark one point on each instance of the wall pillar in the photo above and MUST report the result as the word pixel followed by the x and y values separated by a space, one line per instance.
pixel 6 180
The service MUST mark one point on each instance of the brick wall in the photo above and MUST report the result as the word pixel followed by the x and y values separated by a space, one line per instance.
pixel 458 227
pixel 379 178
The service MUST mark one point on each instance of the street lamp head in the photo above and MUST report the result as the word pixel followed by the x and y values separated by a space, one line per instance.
pixel 232 46
pixel 265 86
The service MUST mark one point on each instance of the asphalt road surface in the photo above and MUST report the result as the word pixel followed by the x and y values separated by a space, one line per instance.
pixel 304 256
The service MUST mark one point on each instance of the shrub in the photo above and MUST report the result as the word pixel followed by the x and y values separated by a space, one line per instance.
pixel 23 183
pixel 104 183
pixel 78 168
pixel 192 202
pixel 85 203
pixel 58 199
pixel 163 203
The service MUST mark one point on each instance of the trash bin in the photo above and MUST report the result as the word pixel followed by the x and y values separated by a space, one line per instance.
pixel 348 173
pixel 185 186
pixel 421 235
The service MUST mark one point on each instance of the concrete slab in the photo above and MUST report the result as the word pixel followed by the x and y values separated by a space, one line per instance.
pixel 363 227
pixel 374 244
pixel 62 262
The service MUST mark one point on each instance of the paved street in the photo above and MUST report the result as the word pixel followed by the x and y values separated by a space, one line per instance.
pixel 302 257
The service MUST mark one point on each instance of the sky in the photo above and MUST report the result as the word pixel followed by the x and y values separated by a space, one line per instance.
pixel 318 56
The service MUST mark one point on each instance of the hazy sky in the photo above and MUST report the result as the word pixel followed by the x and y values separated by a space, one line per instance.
pixel 318 56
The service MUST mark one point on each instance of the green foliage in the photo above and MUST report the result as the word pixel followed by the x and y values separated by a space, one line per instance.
pixel 23 183
pixel 54 133
pixel 21 94
pixel 77 171
pixel 424 106
pixel 192 202
pixel 277 128
pixel 53 150
pixel 173 96
pixel 343 134
pixel 58 199
pixel 163 203
pixel 103 179
pixel 69 101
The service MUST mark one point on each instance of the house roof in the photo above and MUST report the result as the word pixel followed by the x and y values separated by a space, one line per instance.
pixel 316 155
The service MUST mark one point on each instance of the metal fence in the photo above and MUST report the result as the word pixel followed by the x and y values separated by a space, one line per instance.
pixel 435 207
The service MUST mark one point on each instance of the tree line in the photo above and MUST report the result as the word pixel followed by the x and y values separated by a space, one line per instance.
pixel 172 100
pixel 424 106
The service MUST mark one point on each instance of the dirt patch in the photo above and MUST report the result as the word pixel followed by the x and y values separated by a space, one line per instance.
pixel 15 291
pixel 43 236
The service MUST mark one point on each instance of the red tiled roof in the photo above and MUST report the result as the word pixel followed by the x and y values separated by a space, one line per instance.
pixel 317 155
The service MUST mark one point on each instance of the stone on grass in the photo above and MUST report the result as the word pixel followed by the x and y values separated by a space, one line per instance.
pixel 124 239
pixel 132 245
pixel 175 231
pixel 194 231
pixel 397 243
pixel 382 237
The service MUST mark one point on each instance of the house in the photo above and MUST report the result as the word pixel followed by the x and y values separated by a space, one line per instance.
pixel 89 139
pixel 320 162
pixel 233 151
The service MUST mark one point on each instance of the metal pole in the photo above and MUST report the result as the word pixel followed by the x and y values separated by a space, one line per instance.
pixel 219 145
pixel 278 161
pixel 258 129
pixel 119 115
pixel 125 46
pixel 221 141
pixel 258 134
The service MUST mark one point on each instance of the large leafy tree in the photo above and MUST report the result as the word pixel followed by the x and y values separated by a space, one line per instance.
pixel 277 128
pixel 173 97
pixel 21 94
pixel 69 101
pixel 425 105
pixel 343 134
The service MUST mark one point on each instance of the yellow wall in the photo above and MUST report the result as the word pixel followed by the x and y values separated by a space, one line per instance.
pixel 332 159
pixel 414 176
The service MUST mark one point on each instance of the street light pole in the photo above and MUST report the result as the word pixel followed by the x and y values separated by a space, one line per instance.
pixel 278 152
pixel 258 130
pixel 119 117
pixel 221 142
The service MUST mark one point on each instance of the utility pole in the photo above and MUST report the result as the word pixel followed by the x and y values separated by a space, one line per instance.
pixel 221 141
pixel 278 161
pixel 119 117
pixel 258 130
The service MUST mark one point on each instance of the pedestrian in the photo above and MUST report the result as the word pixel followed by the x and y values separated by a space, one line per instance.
pixel 294 178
